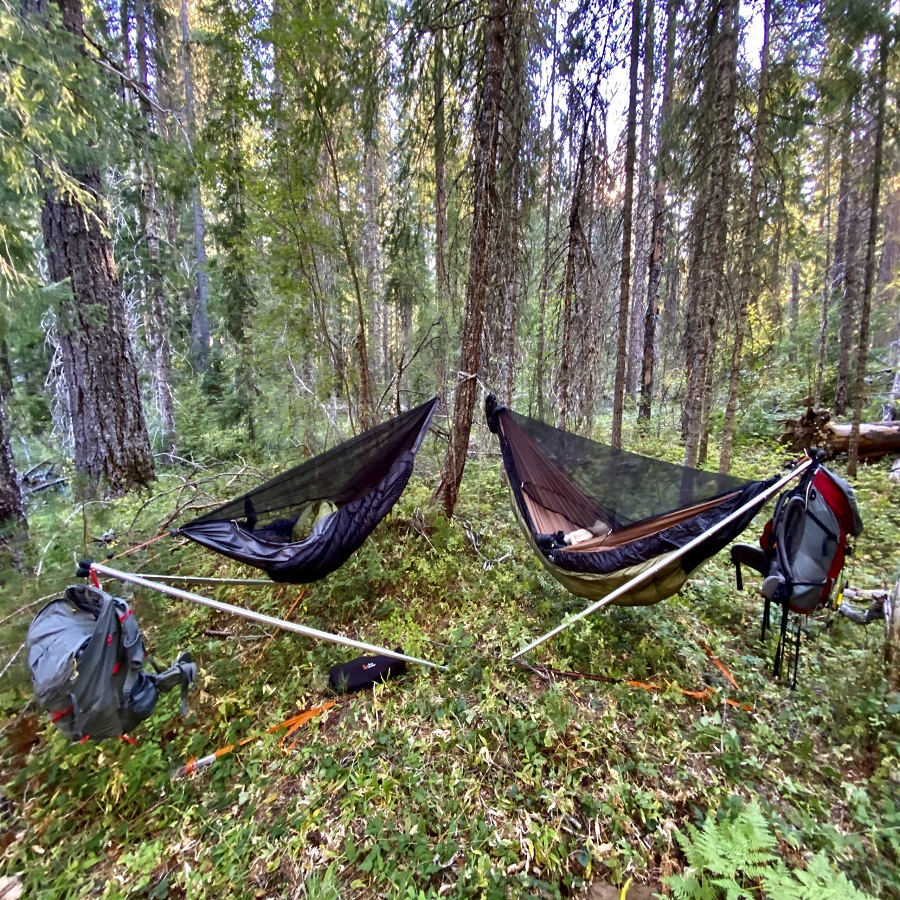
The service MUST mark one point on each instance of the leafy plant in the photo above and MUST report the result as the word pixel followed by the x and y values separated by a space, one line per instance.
pixel 735 858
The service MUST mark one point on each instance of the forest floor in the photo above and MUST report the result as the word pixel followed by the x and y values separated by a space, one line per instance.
pixel 488 780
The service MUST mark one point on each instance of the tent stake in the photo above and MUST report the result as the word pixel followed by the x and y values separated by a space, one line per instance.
pixel 675 554
pixel 258 617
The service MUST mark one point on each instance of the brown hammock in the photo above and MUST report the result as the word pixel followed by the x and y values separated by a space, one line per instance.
pixel 598 516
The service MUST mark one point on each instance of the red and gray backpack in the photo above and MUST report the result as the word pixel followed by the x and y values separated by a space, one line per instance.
pixel 86 656
pixel 803 548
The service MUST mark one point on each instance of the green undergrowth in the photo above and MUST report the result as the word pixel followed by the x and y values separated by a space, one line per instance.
pixel 487 780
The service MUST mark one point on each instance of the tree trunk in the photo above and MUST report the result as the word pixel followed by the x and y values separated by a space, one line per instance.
pixel 575 238
pixel 749 246
pixel 13 526
pixel 110 434
pixel 657 236
pixel 627 204
pixel 711 285
pixel 869 277
pixel 850 292
pixel 441 232
pixel 482 257
pixel 642 222
pixel 892 639
pixel 826 286
pixel 539 377
pixel 111 439
pixel 371 245
pixel 200 335
pixel 156 327
pixel 794 308
pixel 890 263
pixel 366 396
pixel 513 194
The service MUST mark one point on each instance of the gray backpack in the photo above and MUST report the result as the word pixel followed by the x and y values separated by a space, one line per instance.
pixel 86 656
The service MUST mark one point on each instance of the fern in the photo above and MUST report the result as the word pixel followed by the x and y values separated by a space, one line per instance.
pixel 819 881
pixel 735 859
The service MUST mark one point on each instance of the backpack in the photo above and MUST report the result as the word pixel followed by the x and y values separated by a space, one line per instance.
pixel 803 548
pixel 86 656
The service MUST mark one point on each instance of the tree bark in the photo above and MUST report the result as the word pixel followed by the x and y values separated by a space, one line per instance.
pixel 13 525
pixel 366 395
pixel 200 334
pixel 574 237
pixel 111 441
pixel 892 639
pixel 749 247
pixel 869 277
pixel 627 211
pixel 441 231
pixel 440 174
pixel 643 207
pixel 826 286
pixel 482 256
pixel 546 267
pixel 850 287
pixel 156 326
pixel 513 196
pixel 657 236
pixel 711 284
pixel 110 434
pixel 371 253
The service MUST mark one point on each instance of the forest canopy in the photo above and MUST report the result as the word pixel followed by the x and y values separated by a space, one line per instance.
pixel 307 217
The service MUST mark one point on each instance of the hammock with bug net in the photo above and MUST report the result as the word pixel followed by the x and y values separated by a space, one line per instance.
pixel 597 517
pixel 306 522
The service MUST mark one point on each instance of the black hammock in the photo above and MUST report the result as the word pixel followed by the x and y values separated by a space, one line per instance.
pixel 306 522
pixel 598 516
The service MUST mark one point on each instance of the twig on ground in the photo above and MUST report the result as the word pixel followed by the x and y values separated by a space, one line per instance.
pixel 209 632
pixel 12 659
pixel 22 609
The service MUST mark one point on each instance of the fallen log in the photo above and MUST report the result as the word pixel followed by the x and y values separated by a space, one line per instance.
pixel 874 613
pixel 814 429
pixel 43 487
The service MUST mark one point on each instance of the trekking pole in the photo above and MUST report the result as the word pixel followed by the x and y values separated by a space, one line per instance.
pixel 271 621
pixel 292 724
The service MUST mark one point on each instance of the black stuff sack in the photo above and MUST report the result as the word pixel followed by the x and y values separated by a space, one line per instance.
pixel 359 674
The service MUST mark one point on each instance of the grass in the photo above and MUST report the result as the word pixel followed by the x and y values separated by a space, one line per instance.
pixel 485 781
